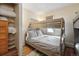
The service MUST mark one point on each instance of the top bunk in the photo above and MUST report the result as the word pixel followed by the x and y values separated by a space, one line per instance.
pixel 53 23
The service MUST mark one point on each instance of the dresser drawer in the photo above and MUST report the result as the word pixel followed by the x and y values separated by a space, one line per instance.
pixel 3 23
pixel 3 51
pixel 3 35
pixel 3 29
pixel 2 42
pixel 3 46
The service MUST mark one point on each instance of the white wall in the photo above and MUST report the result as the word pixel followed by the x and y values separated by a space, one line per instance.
pixel 68 13
pixel 26 16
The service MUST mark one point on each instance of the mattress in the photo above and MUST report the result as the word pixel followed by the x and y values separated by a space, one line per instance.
pixel 51 43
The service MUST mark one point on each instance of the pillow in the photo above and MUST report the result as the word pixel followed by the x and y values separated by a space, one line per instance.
pixel 32 34
pixel 50 30
pixel 39 32
pixel 57 32
pixel 44 30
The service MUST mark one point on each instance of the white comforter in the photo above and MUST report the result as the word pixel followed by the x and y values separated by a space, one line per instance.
pixel 47 42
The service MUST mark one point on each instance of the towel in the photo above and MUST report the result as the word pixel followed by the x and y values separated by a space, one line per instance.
pixel 12 30
pixel 3 18
pixel 7 13
pixel 7 7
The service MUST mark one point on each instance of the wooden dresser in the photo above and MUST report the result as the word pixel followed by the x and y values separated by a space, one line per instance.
pixel 3 37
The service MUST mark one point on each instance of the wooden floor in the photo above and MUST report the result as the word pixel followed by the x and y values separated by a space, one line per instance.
pixel 11 52
pixel 69 51
pixel 27 49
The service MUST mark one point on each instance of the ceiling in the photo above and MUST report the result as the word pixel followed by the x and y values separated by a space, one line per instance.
pixel 41 8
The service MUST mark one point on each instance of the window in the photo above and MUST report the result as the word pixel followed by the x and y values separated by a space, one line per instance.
pixel 50 30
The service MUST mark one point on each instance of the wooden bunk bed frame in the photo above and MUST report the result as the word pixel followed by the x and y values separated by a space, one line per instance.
pixel 55 23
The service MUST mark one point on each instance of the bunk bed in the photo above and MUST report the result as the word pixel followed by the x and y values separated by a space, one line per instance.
pixel 50 45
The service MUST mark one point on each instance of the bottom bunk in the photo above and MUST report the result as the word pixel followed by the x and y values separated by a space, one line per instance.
pixel 49 45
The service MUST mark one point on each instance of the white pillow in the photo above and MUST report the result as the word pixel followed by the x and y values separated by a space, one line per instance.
pixel 39 32
pixel 57 32
pixel 44 30
pixel 32 34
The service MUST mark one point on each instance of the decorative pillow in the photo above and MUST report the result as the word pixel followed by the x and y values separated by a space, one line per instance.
pixel 39 32
pixel 32 34
pixel 44 30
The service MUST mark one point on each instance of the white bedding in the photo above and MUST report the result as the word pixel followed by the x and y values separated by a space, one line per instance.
pixel 46 42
